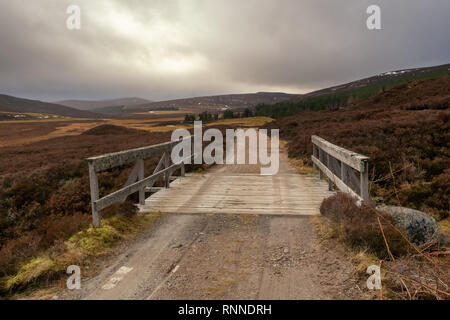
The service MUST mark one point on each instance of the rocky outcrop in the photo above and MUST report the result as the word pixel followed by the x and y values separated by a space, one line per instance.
pixel 418 226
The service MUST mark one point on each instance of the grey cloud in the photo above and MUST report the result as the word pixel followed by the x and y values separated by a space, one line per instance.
pixel 224 45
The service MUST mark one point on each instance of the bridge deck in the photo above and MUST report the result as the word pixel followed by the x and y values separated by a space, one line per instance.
pixel 240 189
pixel 245 193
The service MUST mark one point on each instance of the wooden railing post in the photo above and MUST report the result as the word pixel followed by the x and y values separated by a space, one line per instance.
pixel 163 171
pixel 183 169
pixel 93 179
pixel 343 172
pixel 166 175
pixel 330 184
pixel 321 160
pixel 364 181
pixel 339 165
pixel 141 176
pixel 314 154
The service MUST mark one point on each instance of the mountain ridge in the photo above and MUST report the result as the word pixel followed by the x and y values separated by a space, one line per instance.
pixel 82 104
pixel 232 101
pixel 20 105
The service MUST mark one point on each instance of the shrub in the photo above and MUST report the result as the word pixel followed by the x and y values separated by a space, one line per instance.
pixel 72 197
pixel 17 249
pixel 36 270
pixel 121 209
pixel 60 228
pixel 358 226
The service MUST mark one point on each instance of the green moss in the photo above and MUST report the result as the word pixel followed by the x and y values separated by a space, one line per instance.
pixel 122 224
pixel 362 260
pixel 444 226
pixel 31 273
pixel 88 243
pixel 96 240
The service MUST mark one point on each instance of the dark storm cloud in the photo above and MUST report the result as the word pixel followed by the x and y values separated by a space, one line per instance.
pixel 161 49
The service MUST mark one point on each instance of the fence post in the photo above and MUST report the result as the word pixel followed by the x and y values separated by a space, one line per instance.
pixel 166 175
pixel 330 184
pixel 321 160
pixel 183 169
pixel 343 172
pixel 314 154
pixel 93 180
pixel 141 176
pixel 364 181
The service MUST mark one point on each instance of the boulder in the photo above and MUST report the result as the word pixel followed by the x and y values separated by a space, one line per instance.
pixel 418 226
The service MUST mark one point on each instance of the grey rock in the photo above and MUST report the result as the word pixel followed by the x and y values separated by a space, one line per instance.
pixel 418 226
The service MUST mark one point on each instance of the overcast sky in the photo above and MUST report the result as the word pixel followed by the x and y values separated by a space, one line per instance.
pixel 161 49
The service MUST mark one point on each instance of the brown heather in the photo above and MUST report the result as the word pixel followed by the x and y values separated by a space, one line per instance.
pixel 406 126
pixel 44 188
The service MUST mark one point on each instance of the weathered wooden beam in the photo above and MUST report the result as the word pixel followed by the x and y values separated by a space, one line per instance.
pixel 341 185
pixel 131 179
pixel 353 180
pixel 160 165
pixel 352 159
pixel 158 168
pixel 321 160
pixel 183 169
pixel 93 179
pixel 153 189
pixel 315 154
pixel 167 175
pixel 328 165
pixel 364 184
pixel 112 160
pixel 141 176
pixel 135 187
pixel 343 172
pixel 335 166
pixel 108 200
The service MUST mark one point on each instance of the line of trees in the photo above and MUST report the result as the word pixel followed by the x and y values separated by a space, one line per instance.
pixel 338 99
pixel 209 117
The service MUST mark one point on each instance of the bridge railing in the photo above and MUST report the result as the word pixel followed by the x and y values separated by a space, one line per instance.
pixel 340 165
pixel 137 182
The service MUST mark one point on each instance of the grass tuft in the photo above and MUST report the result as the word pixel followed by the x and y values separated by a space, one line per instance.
pixel 40 268
pixel 77 250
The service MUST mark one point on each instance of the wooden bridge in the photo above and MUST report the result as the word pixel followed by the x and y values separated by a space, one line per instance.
pixel 234 189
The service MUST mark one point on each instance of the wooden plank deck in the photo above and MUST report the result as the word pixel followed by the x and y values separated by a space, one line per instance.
pixel 282 194
pixel 240 189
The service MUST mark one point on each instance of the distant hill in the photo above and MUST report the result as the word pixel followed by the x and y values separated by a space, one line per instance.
pixel 231 101
pixel 341 95
pixel 19 105
pixel 107 106
pixel 385 80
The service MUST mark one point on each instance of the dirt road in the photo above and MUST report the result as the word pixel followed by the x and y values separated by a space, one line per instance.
pixel 226 256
